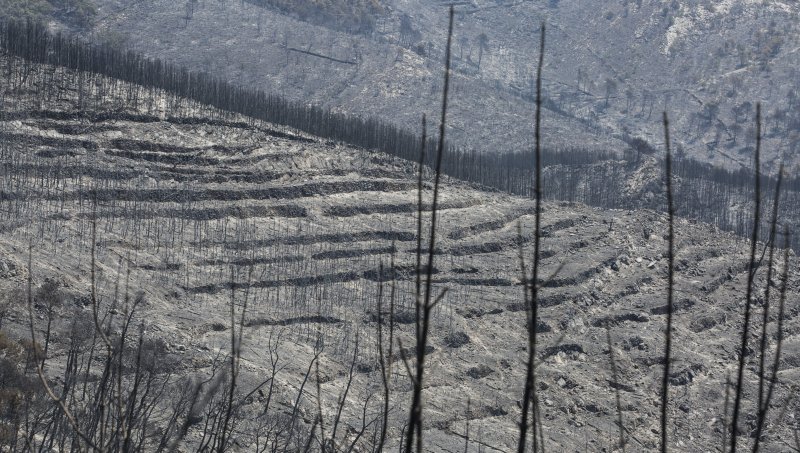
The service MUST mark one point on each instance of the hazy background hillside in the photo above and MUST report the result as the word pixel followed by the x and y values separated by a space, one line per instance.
pixel 611 69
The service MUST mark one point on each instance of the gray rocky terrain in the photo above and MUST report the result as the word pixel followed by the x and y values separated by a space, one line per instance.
pixel 206 214
pixel 611 67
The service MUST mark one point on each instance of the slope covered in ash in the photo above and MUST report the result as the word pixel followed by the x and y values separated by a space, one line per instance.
pixel 611 68
pixel 208 214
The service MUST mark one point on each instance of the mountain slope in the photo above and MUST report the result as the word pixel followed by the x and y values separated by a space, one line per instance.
pixel 209 211
pixel 610 69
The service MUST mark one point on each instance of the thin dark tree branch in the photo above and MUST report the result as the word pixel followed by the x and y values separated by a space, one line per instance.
pixel 670 290
pixel 466 428
pixel 725 426
pixel 415 416
pixel 386 359
pixel 614 375
pixel 773 231
pixel 762 416
pixel 93 279
pixel 533 309
pixel 343 399
pixel 382 361
pixel 420 210
pixel 739 392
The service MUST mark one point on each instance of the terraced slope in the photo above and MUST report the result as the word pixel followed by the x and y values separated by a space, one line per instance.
pixel 305 232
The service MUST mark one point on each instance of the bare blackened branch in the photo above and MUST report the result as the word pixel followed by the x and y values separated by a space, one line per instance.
pixel 670 290
pixel 763 410
pixel 739 392
pixel 615 377
pixel 533 309
pixel 415 416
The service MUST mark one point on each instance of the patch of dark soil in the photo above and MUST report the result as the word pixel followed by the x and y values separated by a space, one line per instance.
pixel 350 211
pixel 80 129
pixel 707 253
pixel 470 270
pixel 366 368
pixel 461 233
pixel 143 145
pixel 681 305
pixel 495 411
pixel 252 261
pixel 468 250
pixel 456 339
pixel 51 153
pixel 549 230
pixel 122 116
pixel 218 327
pixel 193 120
pixel 494 282
pixel 582 244
pixel 388 208
pixel 649 361
pixel 542 327
pixel 32 141
pixel 628 291
pixel 293 321
pixel 570 349
pixel 635 342
pixel 594 408
pixel 340 254
pixel 396 273
pixel 572 280
pixel 621 386
pixel 238 212
pixel 545 254
pixel 790 361
pixel 618 319
pixel 401 316
pixel 333 238
pixel 686 375
pixel 161 267
pixel 553 300
pixel 479 372
pixel 703 323
pixel 473 312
